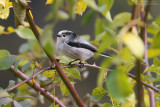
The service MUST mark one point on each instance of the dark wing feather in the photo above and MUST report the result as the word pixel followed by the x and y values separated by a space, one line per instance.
pixel 83 45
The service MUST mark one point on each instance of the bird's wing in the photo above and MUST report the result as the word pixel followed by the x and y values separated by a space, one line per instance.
pixel 80 43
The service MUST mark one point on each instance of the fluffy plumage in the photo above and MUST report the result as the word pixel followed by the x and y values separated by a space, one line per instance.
pixel 71 45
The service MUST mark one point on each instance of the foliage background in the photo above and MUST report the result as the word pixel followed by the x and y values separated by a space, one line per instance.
pixel 40 10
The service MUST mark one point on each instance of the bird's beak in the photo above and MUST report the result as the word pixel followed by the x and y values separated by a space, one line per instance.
pixel 58 35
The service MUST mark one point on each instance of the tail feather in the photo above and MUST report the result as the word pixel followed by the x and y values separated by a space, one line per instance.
pixel 104 55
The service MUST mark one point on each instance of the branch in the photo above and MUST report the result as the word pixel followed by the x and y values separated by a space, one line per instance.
pixel 85 65
pixel 53 61
pixel 35 86
pixel 144 15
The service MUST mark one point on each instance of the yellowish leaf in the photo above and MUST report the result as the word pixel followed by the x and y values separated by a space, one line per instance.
pixel 10 29
pixel 81 7
pixel 134 43
pixel 49 1
pixel 153 53
pixel 4 12
pixel 49 73
pixel 3 2
pixel 8 4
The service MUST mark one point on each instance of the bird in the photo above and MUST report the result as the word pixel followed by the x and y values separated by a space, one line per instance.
pixel 73 46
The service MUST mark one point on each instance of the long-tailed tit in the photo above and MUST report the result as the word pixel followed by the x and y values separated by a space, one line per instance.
pixel 71 45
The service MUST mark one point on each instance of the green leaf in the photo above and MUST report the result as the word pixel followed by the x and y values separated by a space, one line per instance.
pixel 71 9
pixel 19 7
pixel 121 19
pixel 118 84
pixel 8 105
pixel 26 66
pixel 64 89
pixel 24 48
pixel 52 105
pixel 131 41
pixel 62 15
pixel 98 93
pixel 157 21
pixel 25 33
pixel 24 97
pixel 5 101
pixel 156 61
pixel 3 93
pixel 64 59
pixel 155 43
pixel 107 105
pixel 155 67
pixel 16 64
pixel 105 6
pixel 11 84
pixel 153 53
pixel 4 53
pixel 47 40
pixel 7 62
pixel 17 104
pixel 75 73
pixel 49 73
pixel 87 17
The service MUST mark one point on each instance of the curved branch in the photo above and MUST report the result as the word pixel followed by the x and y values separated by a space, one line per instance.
pixel 35 86
pixel 85 65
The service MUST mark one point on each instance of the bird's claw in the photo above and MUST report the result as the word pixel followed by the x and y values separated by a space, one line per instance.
pixel 81 64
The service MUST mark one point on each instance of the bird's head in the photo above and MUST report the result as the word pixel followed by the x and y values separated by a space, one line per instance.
pixel 66 35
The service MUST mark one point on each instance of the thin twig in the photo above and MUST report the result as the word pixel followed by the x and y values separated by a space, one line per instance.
pixel 58 68
pixel 43 91
pixel 85 65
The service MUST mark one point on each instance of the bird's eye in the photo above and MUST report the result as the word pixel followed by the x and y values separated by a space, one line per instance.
pixel 63 35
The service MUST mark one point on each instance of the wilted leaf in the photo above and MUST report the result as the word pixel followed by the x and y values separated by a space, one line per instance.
pixel 4 12
pixel 118 84
pixel 134 43
pixel 11 84
pixel 7 62
pixel 49 73
pixel 47 40
pixel 19 11
pixel 26 66
pixel 64 89
pixel 98 93
pixel 75 73
pixel 25 33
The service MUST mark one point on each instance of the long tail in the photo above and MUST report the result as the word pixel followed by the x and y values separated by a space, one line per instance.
pixel 104 55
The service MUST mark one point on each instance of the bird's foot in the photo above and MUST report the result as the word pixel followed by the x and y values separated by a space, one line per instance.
pixel 81 64
pixel 70 63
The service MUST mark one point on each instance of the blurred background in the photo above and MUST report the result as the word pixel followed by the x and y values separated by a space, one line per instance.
pixel 39 11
